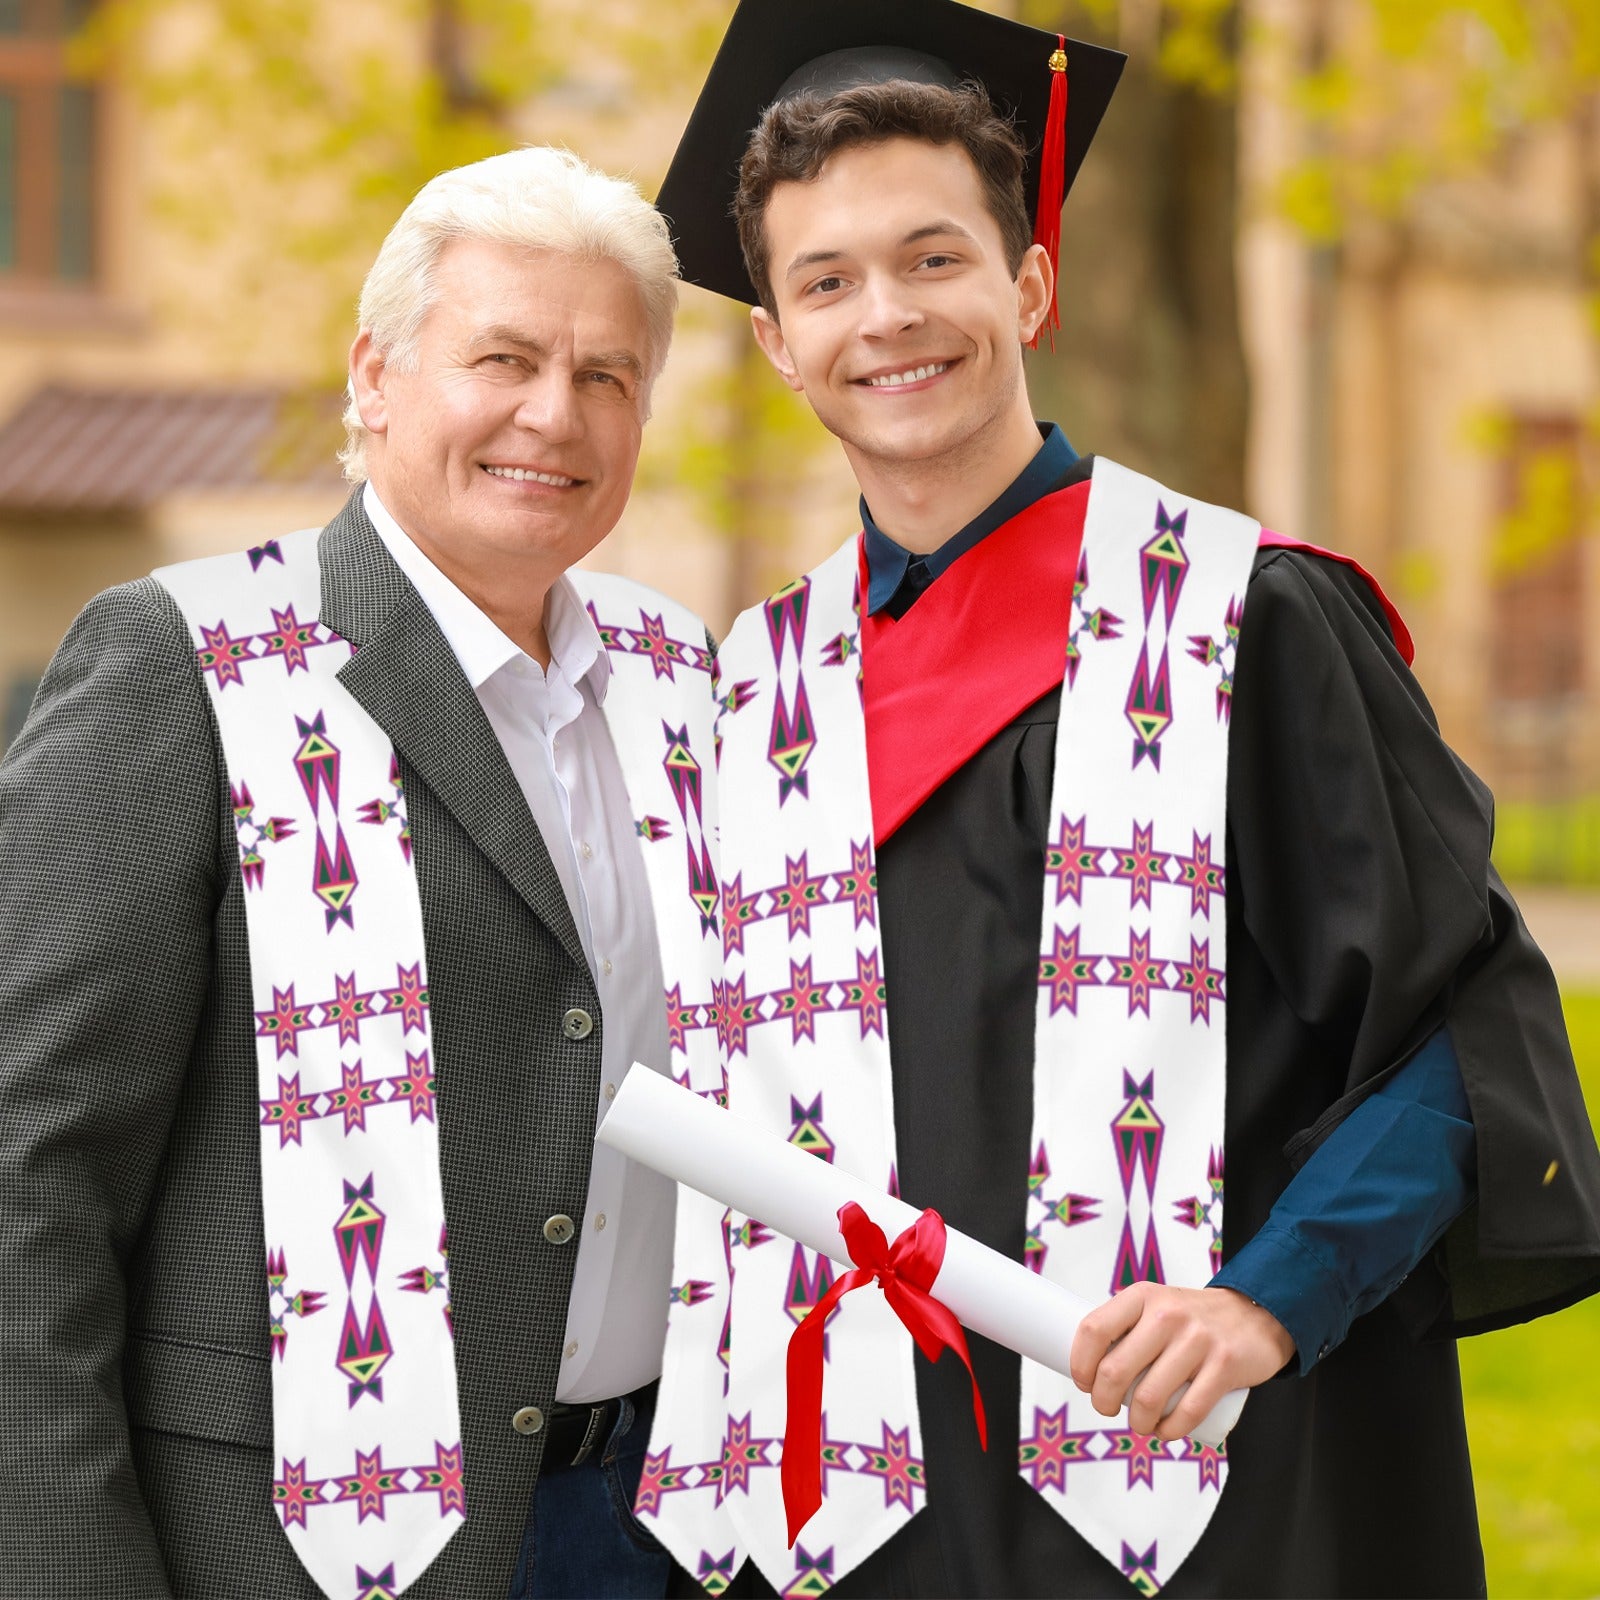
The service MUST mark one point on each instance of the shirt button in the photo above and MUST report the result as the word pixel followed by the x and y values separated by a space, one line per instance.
pixel 607 968
pixel 600 1223
pixel 577 1023
pixel 588 851
pixel 571 1350
pixel 559 1229
pixel 530 1419
pixel 611 1091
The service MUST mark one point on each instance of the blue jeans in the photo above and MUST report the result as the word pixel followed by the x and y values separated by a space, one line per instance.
pixel 582 1539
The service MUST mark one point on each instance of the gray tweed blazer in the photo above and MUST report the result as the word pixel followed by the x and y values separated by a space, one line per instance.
pixel 135 1455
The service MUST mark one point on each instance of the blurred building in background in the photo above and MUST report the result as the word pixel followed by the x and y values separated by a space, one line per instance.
pixel 191 189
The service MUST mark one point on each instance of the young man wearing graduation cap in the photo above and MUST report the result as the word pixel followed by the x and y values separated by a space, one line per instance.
pixel 1090 856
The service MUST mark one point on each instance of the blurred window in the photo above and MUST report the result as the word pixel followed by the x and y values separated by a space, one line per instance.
pixel 48 139
pixel 1538 589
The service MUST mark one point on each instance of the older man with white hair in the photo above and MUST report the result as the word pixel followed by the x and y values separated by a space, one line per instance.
pixel 341 880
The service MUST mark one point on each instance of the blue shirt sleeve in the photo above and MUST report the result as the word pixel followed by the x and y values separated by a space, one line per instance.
pixel 1367 1206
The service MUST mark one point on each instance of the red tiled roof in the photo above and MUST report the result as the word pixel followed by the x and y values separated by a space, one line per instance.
pixel 92 450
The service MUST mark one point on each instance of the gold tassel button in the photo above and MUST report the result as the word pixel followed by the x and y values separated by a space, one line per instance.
pixel 1058 62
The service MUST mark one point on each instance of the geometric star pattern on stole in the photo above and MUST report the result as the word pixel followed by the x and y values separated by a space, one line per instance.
pixel 793 738
pixel 290 638
pixel 741 1453
pixel 798 894
pixel 380 812
pixel 1064 971
pixel 1163 567
pixel 1140 1569
pixel 283 1304
pixel 685 776
pixel 316 759
pixel 1047 1452
pixel 271 550
pixel 356 1094
pixel 1196 1212
pixel 793 734
pixel 807 1131
pixel 660 1477
pixel 225 656
pixel 358 1233
pixel 334 879
pixel 1138 973
pixel 903 1475
pixel 294 1494
pixel 252 835
pixel 1069 1210
pixel 1208 1458
pixel 415 1087
pixel 1141 864
pixel 1198 979
pixel 807 1285
pixel 651 640
pixel 1200 876
pixel 1069 861
pixel 802 1001
pixel 1139 1451
pixel 376 1585
pixel 1221 653
pixel 425 1279
pixel 813 1574
pixel 1137 1131
pixel 1086 625
pixel 801 892
pixel 364 1351
pixel 714 1573
pixel 369 1485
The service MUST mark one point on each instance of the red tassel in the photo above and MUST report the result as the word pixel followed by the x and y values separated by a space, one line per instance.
pixel 1052 181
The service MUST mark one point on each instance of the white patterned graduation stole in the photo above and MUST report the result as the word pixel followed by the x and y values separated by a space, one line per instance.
pixel 367 1437
pixel 805 1028
pixel 1130 1062
pixel 661 714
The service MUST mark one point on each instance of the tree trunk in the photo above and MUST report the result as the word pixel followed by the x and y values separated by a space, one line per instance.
pixel 1148 366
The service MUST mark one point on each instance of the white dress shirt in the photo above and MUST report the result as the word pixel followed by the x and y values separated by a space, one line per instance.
pixel 554 734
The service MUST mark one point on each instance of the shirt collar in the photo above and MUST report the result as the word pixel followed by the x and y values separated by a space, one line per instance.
pixel 887 561
pixel 477 641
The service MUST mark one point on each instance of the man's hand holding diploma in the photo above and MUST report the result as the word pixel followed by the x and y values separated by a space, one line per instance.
pixel 1212 1339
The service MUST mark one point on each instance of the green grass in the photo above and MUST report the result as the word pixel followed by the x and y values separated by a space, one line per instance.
pixel 1533 1415
pixel 1548 841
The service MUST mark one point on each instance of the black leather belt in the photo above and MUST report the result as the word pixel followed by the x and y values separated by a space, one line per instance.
pixel 575 1433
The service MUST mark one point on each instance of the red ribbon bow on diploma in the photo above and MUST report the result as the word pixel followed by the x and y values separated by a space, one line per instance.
pixel 906 1269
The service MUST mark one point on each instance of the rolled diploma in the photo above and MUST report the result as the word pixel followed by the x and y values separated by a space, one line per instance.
pixel 684 1136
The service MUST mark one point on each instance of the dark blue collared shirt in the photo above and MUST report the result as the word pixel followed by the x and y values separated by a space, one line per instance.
pixel 1380 1191
pixel 897 575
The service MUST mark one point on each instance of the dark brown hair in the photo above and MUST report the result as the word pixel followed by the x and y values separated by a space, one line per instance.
pixel 795 138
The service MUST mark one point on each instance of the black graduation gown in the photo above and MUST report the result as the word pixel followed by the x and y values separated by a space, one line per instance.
pixel 1362 912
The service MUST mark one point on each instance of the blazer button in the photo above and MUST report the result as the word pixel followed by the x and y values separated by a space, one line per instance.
pixel 530 1419
pixel 559 1229
pixel 577 1024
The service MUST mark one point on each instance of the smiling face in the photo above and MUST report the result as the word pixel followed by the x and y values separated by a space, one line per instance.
pixel 898 316
pixel 511 444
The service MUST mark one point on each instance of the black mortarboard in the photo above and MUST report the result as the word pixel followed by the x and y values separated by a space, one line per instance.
pixel 777 48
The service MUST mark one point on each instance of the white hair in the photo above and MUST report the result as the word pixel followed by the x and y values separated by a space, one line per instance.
pixel 536 197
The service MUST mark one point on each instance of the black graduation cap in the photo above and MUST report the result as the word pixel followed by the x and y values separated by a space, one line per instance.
pixel 777 48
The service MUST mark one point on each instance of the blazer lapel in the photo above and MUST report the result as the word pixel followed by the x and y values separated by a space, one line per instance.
pixel 406 677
